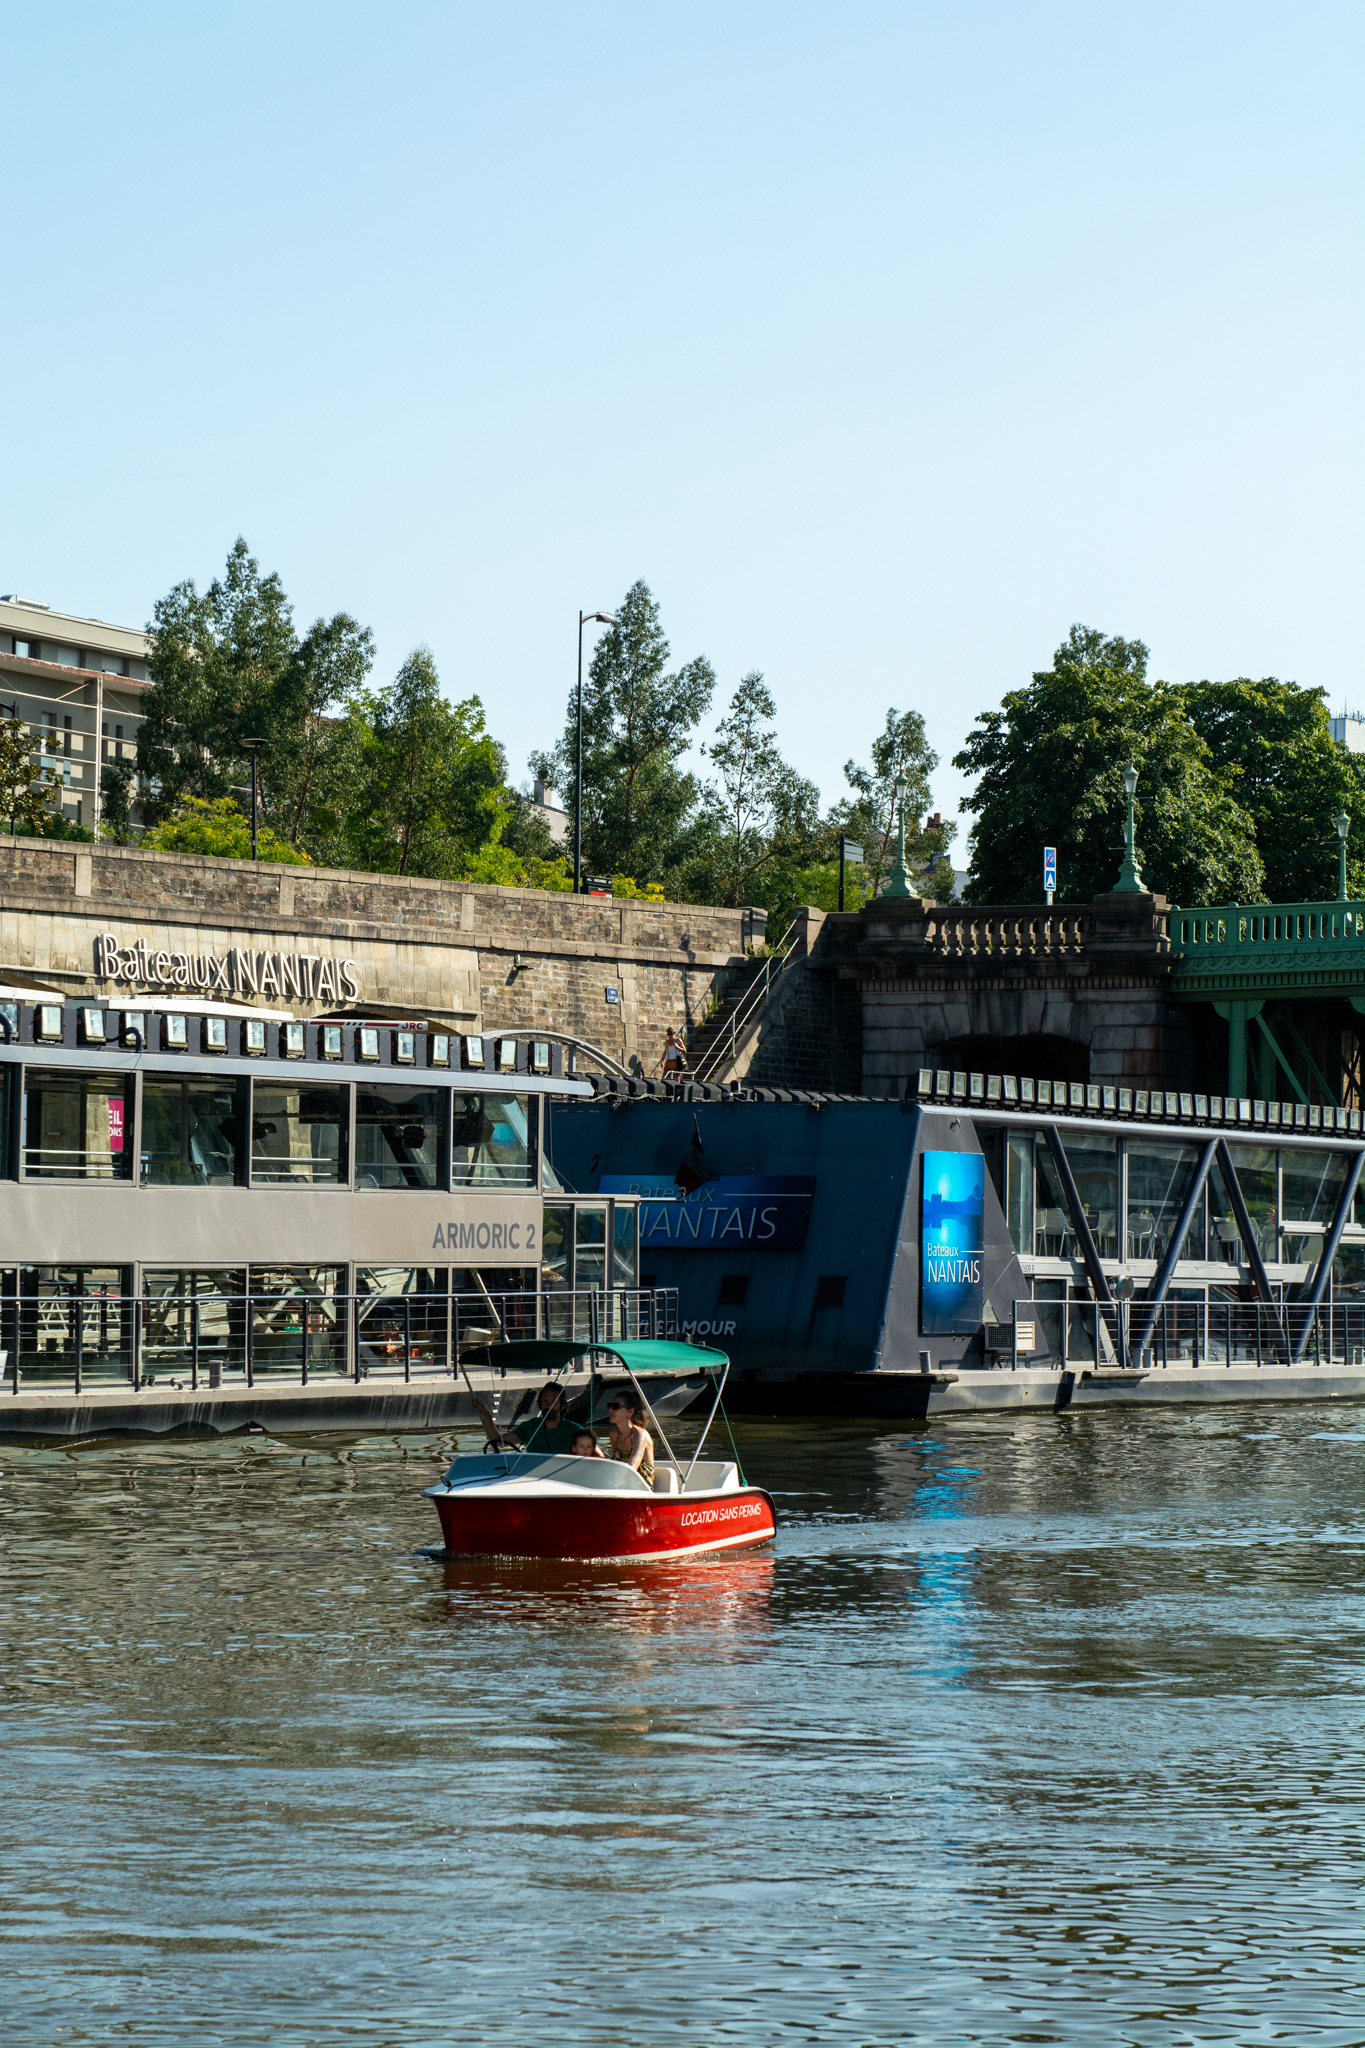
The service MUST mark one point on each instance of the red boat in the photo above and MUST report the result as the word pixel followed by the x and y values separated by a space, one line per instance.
pixel 510 1502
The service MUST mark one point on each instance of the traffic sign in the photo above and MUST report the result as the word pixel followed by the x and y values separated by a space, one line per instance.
pixel 1049 871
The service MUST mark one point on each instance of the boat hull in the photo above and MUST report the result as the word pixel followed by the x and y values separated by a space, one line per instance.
pixel 639 1525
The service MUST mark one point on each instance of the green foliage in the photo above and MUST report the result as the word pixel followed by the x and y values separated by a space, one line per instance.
pixel 637 723
pixel 901 749
pixel 760 819
pixel 116 801
pixel 1273 742
pixel 1050 767
pixel 216 826
pixel 432 780
pixel 27 790
pixel 228 665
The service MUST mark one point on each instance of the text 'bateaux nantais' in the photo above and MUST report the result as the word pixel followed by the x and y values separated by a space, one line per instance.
pixel 241 971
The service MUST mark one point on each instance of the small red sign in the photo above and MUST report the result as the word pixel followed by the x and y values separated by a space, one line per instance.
pixel 115 1123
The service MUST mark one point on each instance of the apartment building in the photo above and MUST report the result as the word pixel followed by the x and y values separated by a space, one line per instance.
pixel 78 684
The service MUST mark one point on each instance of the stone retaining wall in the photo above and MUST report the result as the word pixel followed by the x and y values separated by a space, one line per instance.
pixel 482 958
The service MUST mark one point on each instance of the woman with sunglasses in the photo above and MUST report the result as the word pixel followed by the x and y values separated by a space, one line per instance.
pixel 631 1442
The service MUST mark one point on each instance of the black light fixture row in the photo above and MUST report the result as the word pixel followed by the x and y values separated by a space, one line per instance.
pixel 1090 1098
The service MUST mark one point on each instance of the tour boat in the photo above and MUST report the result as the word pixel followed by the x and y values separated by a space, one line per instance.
pixel 509 1502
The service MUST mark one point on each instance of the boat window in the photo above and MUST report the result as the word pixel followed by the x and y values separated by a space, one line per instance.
pixel 493 1142
pixel 734 1290
pixel 295 1315
pixel 590 1244
pixel 624 1248
pixel 1019 1192
pixel 1313 1182
pixel 42 1307
pixel 1255 1167
pixel 192 1131
pixel 74 1124
pixel 402 1309
pixel 298 1135
pixel 1159 1177
pixel 168 1340
pixel 493 1304
pixel 398 1136
pixel 1094 1163
pixel 556 1263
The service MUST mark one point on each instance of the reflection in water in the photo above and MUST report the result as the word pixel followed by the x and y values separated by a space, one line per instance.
pixel 1037 1730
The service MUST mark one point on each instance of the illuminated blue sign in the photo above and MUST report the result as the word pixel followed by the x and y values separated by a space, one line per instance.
pixel 952 1220
pixel 756 1212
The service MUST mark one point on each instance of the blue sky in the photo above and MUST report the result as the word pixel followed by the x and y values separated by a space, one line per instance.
pixel 882 341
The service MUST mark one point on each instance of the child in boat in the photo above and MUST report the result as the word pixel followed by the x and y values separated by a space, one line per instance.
pixel 631 1442
pixel 585 1445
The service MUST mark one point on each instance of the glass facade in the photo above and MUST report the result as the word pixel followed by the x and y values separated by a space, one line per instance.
pixel 493 1141
pixel 75 1125
pixel 192 1131
pixel 399 1134
pixel 298 1135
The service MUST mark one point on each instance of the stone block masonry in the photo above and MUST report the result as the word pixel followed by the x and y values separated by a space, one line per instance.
pixel 478 958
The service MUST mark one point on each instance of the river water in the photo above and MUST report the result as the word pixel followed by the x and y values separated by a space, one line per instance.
pixel 1038 1730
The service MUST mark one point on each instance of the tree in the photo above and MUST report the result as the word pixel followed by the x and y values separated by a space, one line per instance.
pixel 219 828
pixel 433 778
pixel 27 790
pixel 229 665
pixel 762 815
pixel 116 801
pixel 1273 741
pixel 637 723
pixel 901 749
pixel 1050 767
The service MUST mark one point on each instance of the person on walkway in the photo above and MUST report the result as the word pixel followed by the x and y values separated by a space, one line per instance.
pixel 673 1065
pixel 631 1442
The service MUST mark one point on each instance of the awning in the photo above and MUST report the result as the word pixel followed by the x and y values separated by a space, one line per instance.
pixel 645 1355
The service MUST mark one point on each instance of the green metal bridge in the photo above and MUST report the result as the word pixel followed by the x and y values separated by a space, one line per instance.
pixel 1290 980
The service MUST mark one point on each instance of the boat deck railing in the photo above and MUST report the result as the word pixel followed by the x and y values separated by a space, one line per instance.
pixel 81 1342
pixel 1142 1336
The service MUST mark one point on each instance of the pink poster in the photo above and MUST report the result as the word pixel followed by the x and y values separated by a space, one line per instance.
pixel 116 1123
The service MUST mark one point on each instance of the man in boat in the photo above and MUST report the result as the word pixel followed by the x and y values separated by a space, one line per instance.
pixel 550 1428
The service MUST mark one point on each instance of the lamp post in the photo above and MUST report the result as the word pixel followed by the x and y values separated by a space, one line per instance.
pixel 1130 881
pixel 601 619
pixel 1343 827
pixel 253 747
pixel 898 886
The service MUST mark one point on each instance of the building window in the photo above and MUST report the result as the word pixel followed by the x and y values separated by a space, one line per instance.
pixel 493 1142
pixel 398 1134
pixel 298 1136
pixel 74 1125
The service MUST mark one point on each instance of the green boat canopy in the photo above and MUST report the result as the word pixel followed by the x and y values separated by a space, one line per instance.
pixel 642 1356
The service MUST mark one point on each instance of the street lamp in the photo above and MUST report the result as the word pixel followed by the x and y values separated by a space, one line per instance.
pixel 898 886
pixel 1130 882
pixel 600 619
pixel 253 747
pixel 1343 827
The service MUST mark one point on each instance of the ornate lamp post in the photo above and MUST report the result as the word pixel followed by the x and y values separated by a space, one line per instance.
pixel 898 886
pixel 1130 881
pixel 1343 827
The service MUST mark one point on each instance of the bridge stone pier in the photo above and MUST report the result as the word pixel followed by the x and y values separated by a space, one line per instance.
pixel 1078 991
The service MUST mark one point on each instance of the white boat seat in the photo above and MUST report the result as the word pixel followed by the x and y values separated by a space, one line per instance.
pixel 666 1479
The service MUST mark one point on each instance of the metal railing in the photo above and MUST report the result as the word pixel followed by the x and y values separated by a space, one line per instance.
pixel 1103 1336
pixel 86 1342
pixel 1279 928
pixel 723 1049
